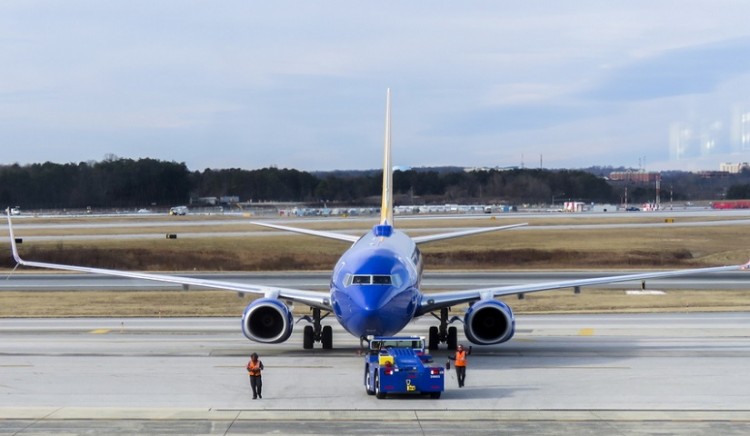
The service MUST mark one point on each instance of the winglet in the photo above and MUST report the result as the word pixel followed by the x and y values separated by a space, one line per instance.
pixel 13 246
pixel 386 207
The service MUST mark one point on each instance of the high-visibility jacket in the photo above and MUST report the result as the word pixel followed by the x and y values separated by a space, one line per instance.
pixel 461 358
pixel 254 368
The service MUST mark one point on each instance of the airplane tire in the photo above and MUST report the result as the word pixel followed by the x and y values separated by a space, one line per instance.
pixel 433 341
pixel 308 337
pixel 452 338
pixel 327 337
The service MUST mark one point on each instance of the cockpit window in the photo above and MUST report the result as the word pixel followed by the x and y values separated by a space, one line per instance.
pixel 381 280
pixel 361 280
pixel 372 279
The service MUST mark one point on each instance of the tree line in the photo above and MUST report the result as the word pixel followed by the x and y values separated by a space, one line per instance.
pixel 127 183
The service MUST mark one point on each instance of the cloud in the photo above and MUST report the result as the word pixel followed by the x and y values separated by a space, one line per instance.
pixel 511 118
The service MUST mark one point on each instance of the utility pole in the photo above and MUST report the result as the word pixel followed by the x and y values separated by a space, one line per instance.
pixel 658 188
pixel 670 196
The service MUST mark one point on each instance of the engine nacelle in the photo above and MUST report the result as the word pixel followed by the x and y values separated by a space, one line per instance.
pixel 489 322
pixel 267 320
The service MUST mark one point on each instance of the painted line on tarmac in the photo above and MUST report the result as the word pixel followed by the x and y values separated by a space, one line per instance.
pixel 109 413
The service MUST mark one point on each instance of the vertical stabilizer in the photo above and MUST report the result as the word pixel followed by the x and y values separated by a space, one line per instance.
pixel 386 208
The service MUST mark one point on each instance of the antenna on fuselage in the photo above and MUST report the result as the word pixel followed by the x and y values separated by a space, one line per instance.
pixel 386 207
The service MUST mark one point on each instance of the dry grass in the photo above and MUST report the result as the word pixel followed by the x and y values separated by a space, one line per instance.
pixel 664 246
pixel 661 247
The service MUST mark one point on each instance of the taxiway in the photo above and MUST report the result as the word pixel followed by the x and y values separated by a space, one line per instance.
pixel 562 374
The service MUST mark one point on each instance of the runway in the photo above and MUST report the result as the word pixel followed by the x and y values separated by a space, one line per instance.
pixel 154 227
pixel 562 374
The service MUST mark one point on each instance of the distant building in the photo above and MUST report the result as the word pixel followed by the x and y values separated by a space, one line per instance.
pixel 574 206
pixel 733 168
pixel 486 169
pixel 731 204
pixel 712 174
pixel 633 176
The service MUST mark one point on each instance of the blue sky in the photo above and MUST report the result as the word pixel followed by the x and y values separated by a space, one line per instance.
pixel 219 84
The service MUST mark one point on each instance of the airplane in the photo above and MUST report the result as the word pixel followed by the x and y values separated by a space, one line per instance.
pixel 375 286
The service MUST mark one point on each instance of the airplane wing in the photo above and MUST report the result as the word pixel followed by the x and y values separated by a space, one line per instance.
pixel 439 300
pixel 311 298
pixel 322 234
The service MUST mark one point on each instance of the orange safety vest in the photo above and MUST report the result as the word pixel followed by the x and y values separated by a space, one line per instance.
pixel 254 368
pixel 460 358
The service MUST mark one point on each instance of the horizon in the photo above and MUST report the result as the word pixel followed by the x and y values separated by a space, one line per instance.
pixel 373 169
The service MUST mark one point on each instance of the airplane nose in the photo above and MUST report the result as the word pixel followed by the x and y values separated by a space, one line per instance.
pixel 364 313
pixel 371 322
pixel 374 301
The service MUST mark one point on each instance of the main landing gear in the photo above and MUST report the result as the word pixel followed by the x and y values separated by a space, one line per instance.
pixel 443 333
pixel 316 332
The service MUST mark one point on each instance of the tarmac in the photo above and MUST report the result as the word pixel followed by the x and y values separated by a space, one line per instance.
pixel 561 374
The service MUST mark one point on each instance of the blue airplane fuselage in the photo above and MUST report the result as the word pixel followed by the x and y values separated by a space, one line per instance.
pixel 375 284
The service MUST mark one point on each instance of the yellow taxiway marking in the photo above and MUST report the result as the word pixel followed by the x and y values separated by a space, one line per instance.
pixel 100 331
pixel 586 332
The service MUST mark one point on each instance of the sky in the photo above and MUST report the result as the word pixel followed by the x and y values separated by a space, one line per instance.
pixel 302 84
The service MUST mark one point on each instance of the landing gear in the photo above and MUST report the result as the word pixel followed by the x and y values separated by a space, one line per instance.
pixel 433 339
pixel 452 340
pixel 308 337
pixel 316 332
pixel 443 333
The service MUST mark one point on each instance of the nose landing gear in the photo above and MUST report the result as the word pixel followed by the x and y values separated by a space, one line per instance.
pixel 443 333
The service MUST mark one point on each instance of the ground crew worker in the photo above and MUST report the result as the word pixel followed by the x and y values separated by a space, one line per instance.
pixel 460 358
pixel 254 367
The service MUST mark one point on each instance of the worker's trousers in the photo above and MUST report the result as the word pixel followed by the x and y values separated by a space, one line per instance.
pixel 257 384
pixel 461 375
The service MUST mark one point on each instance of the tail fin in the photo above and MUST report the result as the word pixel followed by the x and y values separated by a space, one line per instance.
pixel 386 207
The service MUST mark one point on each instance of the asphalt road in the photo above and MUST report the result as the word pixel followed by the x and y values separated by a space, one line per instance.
pixel 107 229
pixel 562 374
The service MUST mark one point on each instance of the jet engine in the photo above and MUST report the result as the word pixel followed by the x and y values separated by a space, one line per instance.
pixel 489 322
pixel 267 320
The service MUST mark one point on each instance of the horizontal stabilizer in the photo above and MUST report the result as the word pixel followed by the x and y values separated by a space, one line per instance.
pixel 319 233
pixel 461 233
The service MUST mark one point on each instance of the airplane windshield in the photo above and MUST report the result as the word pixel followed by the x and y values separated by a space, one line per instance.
pixel 372 279
pixel 381 280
